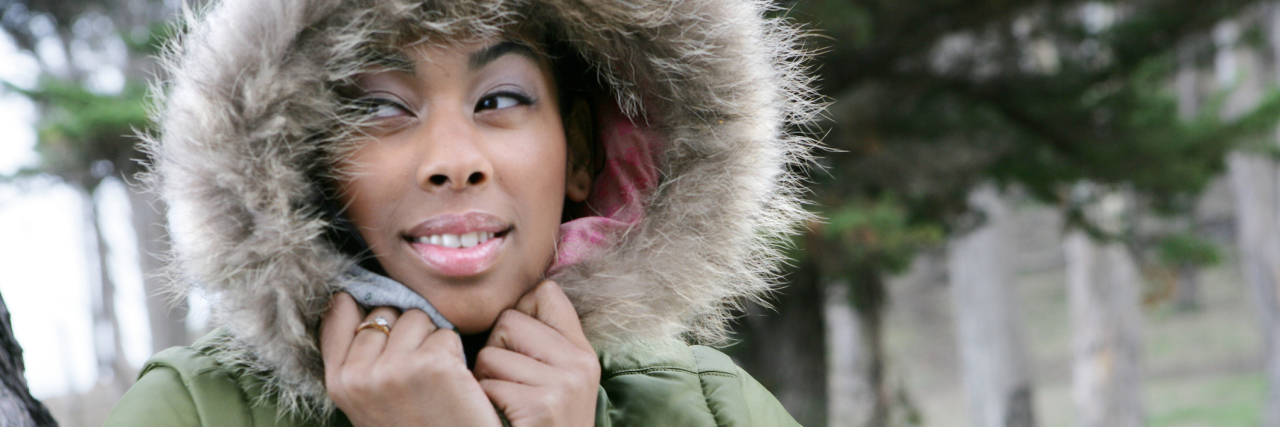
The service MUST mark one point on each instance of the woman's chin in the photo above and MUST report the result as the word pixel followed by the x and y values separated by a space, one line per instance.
pixel 470 319
pixel 469 326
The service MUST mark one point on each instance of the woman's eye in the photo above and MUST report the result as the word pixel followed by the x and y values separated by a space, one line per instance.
pixel 502 100
pixel 387 110
pixel 381 108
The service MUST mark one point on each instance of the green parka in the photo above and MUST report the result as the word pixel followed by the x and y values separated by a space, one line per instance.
pixel 678 385
pixel 696 193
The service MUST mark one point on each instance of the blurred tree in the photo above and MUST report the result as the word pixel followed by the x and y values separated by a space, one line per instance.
pixel 997 374
pixel 933 97
pixel 82 138
pixel 1103 287
pixel 1185 254
pixel 1106 344
pixel 94 59
pixel 853 251
pixel 1247 51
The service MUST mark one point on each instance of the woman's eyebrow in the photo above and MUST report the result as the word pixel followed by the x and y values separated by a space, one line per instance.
pixel 484 56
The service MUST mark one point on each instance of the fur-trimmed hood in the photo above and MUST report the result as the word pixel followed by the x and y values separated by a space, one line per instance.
pixel 714 88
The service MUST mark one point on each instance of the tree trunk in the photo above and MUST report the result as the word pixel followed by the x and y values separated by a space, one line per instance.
pixel 854 377
pixel 1186 296
pixel 112 365
pixel 17 407
pixel 1255 181
pixel 993 358
pixel 167 312
pixel 1103 288
pixel 1187 276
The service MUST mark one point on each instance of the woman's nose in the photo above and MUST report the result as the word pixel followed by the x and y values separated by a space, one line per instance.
pixel 454 158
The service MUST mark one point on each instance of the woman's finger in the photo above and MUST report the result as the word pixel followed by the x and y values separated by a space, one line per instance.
pixel 342 317
pixel 548 303
pixel 518 332
pixel 507 396
pixel 412 328
pixel 502 364
pixel 538 366
pixel 369 342
pixel 448 341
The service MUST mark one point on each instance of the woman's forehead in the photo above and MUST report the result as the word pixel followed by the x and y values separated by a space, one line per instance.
pixel 478 58
pixel 466 56
pixel 480 49
pixel 471 55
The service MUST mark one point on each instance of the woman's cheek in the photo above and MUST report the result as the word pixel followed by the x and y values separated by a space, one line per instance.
pixel 506 119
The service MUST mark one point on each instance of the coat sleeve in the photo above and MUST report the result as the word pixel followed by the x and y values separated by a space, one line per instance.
pixel 181 387
pixel 733 396
pixel 703 388
pixel 157 399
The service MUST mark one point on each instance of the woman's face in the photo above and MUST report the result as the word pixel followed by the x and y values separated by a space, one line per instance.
pixel 459 184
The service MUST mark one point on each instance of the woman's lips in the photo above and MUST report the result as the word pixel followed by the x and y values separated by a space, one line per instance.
pixel 459 245
pixel 460 261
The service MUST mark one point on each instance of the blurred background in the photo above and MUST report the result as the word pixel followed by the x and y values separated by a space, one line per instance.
pixel 1035 213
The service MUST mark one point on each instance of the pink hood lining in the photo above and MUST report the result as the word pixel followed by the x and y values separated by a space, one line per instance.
pixel 629 176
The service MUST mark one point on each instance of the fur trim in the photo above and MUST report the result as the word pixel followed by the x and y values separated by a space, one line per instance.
pixel 248 114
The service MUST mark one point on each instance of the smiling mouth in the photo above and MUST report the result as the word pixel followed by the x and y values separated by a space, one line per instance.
pixel 455 241
pixel 459 245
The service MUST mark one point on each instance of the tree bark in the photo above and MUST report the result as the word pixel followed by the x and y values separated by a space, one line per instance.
pixel 854 398
pixel 993 358
pixel 1103 289
pixel 17 407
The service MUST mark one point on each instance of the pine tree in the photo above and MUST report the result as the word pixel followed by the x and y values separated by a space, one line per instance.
pixel 86 136
pixel 931 99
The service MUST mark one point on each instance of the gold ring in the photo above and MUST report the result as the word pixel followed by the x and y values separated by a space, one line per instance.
pixel 380 323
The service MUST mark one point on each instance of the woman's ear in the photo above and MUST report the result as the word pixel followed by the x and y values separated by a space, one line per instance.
pixel 579 128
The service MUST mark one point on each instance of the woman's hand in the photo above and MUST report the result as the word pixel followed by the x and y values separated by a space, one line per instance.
pixel 414 376
pixel 538 366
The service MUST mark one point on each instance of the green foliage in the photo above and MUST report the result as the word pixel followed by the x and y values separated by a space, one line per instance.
pixel 1188 249
pixel 82 135
pixel 945 94
pixel 80 129
pixel 862 241
pixel 853 23
pixel 150 42
pixel 876 234
pixel 932 97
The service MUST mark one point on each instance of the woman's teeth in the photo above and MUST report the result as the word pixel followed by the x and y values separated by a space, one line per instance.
pixel 456 241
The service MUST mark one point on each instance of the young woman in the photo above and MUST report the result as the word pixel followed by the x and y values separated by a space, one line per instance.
pixel 570 191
